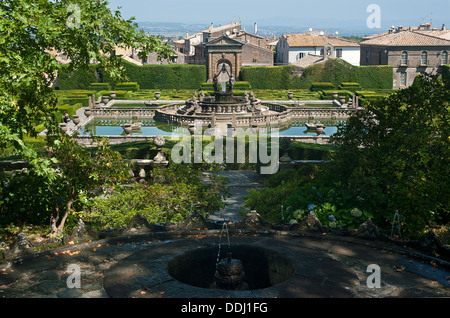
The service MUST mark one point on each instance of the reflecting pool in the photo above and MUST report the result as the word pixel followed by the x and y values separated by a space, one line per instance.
pixel 151 127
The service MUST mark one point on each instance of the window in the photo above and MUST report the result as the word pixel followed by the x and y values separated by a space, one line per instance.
pixel 379 57
pixel 404 58
pixel 424 58
pixel 444 58
pixel 403 78
pixel 300 56
pixel 255 56
pixel 367 57
pixel 338 52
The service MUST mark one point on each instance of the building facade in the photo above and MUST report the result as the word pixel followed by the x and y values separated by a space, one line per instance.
pixel 230 46
pixel 410 53
pixel 293 49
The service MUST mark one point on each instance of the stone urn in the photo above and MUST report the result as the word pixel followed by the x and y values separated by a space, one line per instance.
pixel 191 129
pixel 159 142
pixel 285 143
pixel 112 95
pixel 63 127
pixel 87 112
pixel 105 100
pixel 319 130
pixel 76 119
pixel 290 95
pixel 157 95
pixel 335 95
pixel 127 128
pixel 342 100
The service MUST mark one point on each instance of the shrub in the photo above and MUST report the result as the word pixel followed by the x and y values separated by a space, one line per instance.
pixel 272 77
pixel 350 86
pixel 78 79
pixel 173 76
pixel 100 87
pixel 175 192
pixel 446 75
pixel 131 86
pixel 315 87
pixel 328 94
pixel 335 71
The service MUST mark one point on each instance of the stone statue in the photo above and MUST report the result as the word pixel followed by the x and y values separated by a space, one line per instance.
pixel 216 83
pixel 230 84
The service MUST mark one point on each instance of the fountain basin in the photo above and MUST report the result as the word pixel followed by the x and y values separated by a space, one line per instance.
pixel 274 267
pixel 263 267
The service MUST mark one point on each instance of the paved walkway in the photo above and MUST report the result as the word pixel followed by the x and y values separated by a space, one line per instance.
pixel 136 266
pixel 240 182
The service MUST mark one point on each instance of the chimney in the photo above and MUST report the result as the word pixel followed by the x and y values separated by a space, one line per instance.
pixel 256 28
pixel 443 27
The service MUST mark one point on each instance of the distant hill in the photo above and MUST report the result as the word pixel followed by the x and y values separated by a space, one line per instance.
pixel 179 30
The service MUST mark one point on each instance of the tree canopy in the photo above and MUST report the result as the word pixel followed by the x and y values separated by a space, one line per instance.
pixel 32 31
pixel 395 155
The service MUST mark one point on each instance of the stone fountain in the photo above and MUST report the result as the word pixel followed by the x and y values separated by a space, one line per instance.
pixel 224 110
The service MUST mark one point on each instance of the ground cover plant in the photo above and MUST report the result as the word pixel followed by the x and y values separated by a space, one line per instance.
pixel 393 156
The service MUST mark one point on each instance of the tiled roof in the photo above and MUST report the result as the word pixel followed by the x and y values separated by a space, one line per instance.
pixel 443 34
pixel 406 38
pixel 315 39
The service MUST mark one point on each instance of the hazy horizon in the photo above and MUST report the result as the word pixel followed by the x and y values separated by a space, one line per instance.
pixel 348 14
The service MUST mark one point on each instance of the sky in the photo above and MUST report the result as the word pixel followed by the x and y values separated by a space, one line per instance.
pixel 310 13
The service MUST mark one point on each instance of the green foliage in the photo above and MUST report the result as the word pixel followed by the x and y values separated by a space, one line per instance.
pixel 395 156
pixel 130 86
pixel 166 76
pixel 75 79
pixel 100 87
pixel 272 77
pixel 174 76
pixel 27 197
pixel 174 193
pixel 83 172
pixel 30 31
pixel 335 71
pixel 328 94
pixel 315 87
pixel 446 75
pixel 350 86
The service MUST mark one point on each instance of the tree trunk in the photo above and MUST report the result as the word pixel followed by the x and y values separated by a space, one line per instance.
pixel 57 229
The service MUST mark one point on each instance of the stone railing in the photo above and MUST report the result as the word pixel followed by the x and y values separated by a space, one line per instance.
pixel 181 119
pixel 319 112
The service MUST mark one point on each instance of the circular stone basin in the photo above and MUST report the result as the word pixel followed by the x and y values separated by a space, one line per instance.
pixel 263 268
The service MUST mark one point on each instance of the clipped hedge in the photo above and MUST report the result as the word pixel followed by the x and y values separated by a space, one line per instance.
pixel 350 86
pixel 316 87
pixel 335 71
pixel 157 77
pixel 328 94
pixel 273 77
pixel 79 79
pixel 131 86
pixel 160 77
pixel 100 87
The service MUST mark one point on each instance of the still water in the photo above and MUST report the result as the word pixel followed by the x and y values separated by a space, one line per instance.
pixel 151 127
